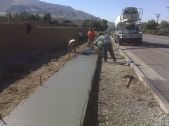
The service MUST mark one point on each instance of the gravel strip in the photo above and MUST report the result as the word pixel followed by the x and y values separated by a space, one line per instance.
pixel 118 105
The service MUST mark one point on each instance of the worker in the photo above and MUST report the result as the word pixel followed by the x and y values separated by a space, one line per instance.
pixel 106 46
pixel 91 36
pixel 72 46
pixel 99 43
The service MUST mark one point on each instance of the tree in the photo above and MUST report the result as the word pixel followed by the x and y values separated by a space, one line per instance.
pixel 38 18
pixel 16 16
pixel 24 16
pixel 143 26
pixel 164 24
pixel 98 25
pixel 104 25
pixel 54 22
pixel 150 25
pixel 87 23
pixel 47 17
pixel 32 17
pixel 9 15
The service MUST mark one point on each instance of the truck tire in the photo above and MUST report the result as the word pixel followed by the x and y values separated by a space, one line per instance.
pixel 140 41
pixel 120 43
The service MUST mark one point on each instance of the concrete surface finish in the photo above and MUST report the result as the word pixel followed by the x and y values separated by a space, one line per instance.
pixel 61 101
pixel 152 59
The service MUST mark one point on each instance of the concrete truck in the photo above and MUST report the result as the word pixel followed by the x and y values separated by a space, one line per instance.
pixel 128 26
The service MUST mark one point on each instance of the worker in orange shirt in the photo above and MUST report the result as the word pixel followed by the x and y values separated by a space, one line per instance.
pixel 91 36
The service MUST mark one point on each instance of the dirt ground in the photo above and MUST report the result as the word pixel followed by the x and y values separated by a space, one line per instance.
pixel 19 78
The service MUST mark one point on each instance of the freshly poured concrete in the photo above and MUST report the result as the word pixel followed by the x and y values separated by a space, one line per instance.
pixel 61 101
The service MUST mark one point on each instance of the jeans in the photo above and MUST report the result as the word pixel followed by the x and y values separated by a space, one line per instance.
pixel 108 47
pixel 90 43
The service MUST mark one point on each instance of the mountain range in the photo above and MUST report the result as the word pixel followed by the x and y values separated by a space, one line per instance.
pixel 36 6
pixel 56 10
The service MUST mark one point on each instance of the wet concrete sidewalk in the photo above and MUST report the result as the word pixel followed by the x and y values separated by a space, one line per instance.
pixel 61 101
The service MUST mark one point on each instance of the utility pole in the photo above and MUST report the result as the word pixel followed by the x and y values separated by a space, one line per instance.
pixel 167 7
pixel 158 16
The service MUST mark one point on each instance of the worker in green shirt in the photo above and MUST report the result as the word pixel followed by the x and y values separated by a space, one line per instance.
pixel 104 44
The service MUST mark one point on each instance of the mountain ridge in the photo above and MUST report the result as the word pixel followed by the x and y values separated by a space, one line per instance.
pixel 37 6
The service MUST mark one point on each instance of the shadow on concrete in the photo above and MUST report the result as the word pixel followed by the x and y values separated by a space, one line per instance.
pixel 91 117
pixel 15 68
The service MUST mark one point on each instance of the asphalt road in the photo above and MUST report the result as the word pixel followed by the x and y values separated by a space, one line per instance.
pixel 152 58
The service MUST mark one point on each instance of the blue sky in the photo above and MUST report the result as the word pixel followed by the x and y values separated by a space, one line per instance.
pixel 110 9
